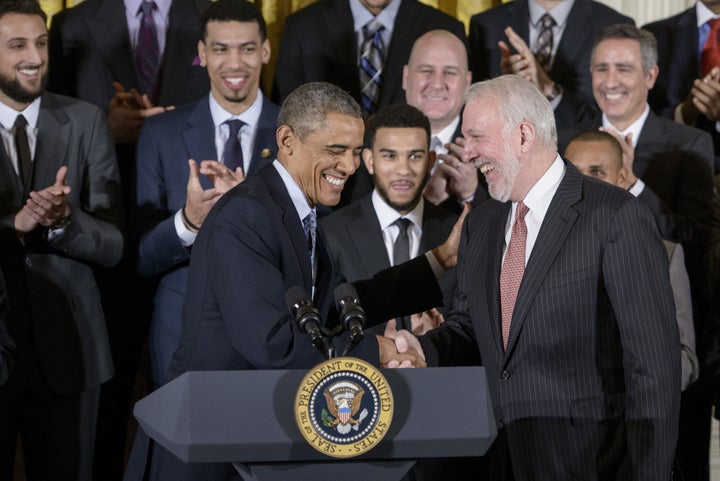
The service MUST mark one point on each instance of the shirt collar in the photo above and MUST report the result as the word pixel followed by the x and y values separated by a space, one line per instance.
pixel 635 128
pixel 31 114
pixel 297 196
pixel 559 13
pixel 361 15
pixel 163 6
pixel 251 116
pixel 387 215
pixel 445 135
pixel 704 14
pixel 539 197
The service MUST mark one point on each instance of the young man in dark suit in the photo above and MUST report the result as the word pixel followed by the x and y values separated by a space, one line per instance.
pixel 556 61
pixel 563 288
pixel 61 214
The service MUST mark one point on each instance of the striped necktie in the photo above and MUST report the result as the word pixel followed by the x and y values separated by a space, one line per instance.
pixel 544 45
pixel 372 59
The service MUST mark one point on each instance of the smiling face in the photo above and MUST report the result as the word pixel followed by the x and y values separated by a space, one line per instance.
pixel 325 159
pixel 491 149
pixel 399 162
pixel 436 77
pixel 375 6
pixel 234 53
pixel 23 59
pixel 620 85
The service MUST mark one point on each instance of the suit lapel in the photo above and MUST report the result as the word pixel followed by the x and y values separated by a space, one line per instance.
pixel 265 145
pixel 496 246
pixel 556 226
pixel 366 237
pixel 404 30
pixel 199 136
pixel 650 134
pixel 432 229
pixel 108 28
pixel 341 35
pixel 182 24
pixel 54 129
pixel 11 190
pixel 573 39
pixel 685 40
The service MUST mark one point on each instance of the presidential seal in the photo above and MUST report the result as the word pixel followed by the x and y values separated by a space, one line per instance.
pixel 343 407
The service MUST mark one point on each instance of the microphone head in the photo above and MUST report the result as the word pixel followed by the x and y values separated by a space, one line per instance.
pixel 295 297
pixel 344 291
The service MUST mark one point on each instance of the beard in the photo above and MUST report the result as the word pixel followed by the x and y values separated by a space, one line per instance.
pixel 15 90
pixel 405 206
pixel 501 189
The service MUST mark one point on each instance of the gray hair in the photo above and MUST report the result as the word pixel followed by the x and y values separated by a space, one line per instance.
pixel 307 107
pixel 520 101
pixel 624 31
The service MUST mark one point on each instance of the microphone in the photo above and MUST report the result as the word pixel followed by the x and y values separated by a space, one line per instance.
pixel 352 315
pixel 308 319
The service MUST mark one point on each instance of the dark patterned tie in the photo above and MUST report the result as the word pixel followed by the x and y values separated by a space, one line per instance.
pixel 147 52
pixel 401 253
pixel 512 270
pixel 372 59
pixel 544 45
pixel 233 154
pixel 710 55
pixel 22 147
pixel 310 228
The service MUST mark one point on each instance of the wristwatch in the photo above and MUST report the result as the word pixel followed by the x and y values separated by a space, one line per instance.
pixel 556 90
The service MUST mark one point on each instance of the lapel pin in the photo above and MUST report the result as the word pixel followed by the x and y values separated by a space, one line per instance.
pixel 265 153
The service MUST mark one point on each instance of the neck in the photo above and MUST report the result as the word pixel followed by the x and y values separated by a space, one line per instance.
pixel 713 5
pixel 548 5
pixel 532 171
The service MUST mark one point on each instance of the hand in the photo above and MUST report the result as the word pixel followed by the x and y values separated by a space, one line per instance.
pixel 436 189
pixel 127 111
pixel 425 321
pixel 198 201
pixel 222 178
pixel 403 351
pixel 705 95
pixel 628 156
pixel 462 176
pixel 47 206
pixel 523 63
pixel 446 253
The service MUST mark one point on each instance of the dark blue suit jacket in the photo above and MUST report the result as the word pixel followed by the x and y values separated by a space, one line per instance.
pixel 164 147
pixel 679 64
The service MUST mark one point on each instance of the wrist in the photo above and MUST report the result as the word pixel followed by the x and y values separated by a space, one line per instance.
pixel 188 223
pixel 553 92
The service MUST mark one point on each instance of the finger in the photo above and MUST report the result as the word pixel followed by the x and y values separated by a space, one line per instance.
pixel 401 342
pixel 517 42
pixel 393 364
pixel 149 112
pixel 194 176
pixel 239 174
pixel 504 49
pixel 701 106
pixel 390 329
pixel 61 176
pixel 118 87
pixel 146 102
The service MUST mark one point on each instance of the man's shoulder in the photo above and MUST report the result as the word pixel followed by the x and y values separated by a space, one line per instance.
pixel 337 220
pixel 498 13
pixel 658 27
pixel 313 13
pixel 175 117
pixel 680 134
pixel 72 107
pixel 607 15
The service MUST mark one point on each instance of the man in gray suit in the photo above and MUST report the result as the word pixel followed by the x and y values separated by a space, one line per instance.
pixel 59 210
pixel 563 287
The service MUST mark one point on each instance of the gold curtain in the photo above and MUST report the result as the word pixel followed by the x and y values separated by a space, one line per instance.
pixel 275 13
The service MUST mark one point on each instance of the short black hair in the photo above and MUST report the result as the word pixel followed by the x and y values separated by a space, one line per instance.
pixel 395 116
pixel 233 11
pixel 600 136
pixel 26 7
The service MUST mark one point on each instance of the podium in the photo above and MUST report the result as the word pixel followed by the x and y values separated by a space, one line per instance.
pixel 247 418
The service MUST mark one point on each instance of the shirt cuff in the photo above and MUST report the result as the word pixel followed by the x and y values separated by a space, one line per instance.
pixel 637 189
pixel 437 269
pixel 187 237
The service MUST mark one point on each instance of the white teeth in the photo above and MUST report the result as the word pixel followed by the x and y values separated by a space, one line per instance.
pixel 613 96
pixel 29 71
pixel 235 81
pixel 486 168
pixel 334 180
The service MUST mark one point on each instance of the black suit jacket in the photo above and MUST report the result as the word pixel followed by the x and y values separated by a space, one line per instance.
pixel 6 343
pixel 679 64
pixel 319 43
pixel 54 300
pixel 571 67
pixel 356 246
pixel 592 356
pixel 90 48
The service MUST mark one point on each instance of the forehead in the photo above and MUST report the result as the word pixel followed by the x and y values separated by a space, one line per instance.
pixel 482 112
pixel 618 49
pixel 585 153
pixel 221 30
pixel 439 51
pixel 406 138
pixel 21 25
pixel 339 129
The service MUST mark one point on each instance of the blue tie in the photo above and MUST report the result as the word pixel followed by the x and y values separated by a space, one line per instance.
pixel 372 58
pixel 233 154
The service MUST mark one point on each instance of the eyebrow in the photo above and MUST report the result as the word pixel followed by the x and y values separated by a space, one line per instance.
pixel 410 151
pixel 225 44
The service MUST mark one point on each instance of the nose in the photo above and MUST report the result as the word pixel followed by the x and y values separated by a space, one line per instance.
pixel 469 153
pixel 436 80
pixel 36 55
pixel 349 163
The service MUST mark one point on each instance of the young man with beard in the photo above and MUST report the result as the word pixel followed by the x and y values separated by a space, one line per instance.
pixel 60 218
pixel 563 288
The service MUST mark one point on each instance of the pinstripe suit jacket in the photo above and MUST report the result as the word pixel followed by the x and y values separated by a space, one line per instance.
pixel 593 336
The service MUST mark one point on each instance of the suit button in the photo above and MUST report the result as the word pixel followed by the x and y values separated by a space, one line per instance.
pixel 505 375
pixel 28 262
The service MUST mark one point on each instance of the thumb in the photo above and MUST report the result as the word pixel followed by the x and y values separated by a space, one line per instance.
pixel 390 329
pixel 401 344
pixel 60 177
pixel 194 177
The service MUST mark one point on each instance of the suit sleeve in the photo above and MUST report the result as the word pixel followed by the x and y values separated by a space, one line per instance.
pixel 61 78
pixel 94 233
pixel 6 342
pixel 160 247
pixel 645 317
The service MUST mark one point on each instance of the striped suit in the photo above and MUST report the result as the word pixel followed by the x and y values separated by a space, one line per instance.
pixel 588 387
